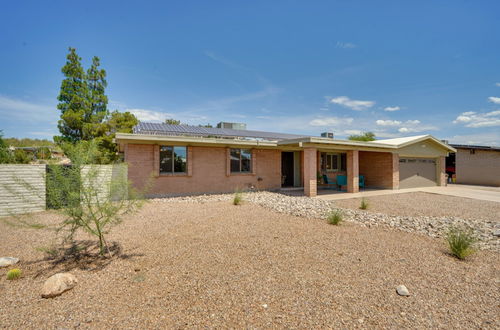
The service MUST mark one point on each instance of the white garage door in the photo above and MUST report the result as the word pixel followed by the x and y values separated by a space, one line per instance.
pixel 417 172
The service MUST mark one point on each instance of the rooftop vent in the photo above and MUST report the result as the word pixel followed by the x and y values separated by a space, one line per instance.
pixel 328 135
pixel 224 124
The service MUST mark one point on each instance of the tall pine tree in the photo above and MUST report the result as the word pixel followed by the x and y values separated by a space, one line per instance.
pixel 73 100
pixel 96 84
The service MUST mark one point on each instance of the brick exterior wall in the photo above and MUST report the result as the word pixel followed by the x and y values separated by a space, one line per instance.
pixel 208 169
pixel 481 167
pixel 381 169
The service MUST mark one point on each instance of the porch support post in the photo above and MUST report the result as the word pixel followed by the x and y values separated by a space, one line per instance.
pixel 352 171
pixel 441 171
pixel 310 168
pixel 395 171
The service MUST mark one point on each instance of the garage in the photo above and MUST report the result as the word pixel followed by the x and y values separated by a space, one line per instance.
pixel 417 172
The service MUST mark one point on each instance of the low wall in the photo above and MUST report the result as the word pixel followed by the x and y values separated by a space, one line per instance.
pixel 22 189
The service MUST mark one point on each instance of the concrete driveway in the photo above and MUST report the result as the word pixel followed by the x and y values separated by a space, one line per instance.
pixel 476 192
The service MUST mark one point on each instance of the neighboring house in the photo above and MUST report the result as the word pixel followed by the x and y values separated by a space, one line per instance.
pixel 473 164
pixel 182 159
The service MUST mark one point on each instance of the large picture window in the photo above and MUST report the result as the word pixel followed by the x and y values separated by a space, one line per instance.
pixel 173 159
pixel 241 160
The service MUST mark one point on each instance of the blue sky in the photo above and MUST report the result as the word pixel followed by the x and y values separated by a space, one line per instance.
pixel 397 68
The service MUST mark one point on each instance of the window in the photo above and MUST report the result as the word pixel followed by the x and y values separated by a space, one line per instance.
pixel 241 160
pixel 333 162
pixel 173 159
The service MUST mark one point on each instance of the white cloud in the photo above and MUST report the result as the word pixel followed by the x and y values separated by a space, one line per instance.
pixel 488 139
pixel 396 108
pixel 150 115
pixel 494 99
pixel 357 105
pixel 331 121
pixel 475 120
pixel 27 111
pixel 352 132
pixel 497 84
pixel 345 45
pixel 396 123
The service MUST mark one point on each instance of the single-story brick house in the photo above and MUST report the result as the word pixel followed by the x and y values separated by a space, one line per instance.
pixel 184 159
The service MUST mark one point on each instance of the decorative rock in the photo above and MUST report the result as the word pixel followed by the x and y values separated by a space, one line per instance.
pixel 402 290
pixel 496 233
pixel 57 284
pixel 8 261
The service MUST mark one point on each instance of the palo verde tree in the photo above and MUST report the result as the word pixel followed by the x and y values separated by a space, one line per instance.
pixel 368 136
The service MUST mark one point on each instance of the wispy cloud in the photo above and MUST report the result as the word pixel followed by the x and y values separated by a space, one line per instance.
pixel 403 127
pixel 396 108
pixel 357 105
pixel 488 138
pixel 27 110
pixel 396 122
pixel 331 121
pixel 494 99
pixel 476 120
pixel 497 84
pixel 150 115
pixel 345 45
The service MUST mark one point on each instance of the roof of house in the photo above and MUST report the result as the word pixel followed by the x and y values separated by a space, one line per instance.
pixel 188 130
pixel 469 146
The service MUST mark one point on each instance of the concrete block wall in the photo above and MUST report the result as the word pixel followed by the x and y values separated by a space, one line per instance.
pixel 480 167
pixel 22 189
pixel 108 179
pixel 208 171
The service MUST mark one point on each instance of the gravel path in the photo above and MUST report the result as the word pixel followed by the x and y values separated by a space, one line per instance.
pixel 187 264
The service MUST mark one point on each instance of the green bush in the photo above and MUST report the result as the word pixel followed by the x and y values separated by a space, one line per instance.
pixel 364 204
pixel 238 198
pixel 335 217
pixel 14 274
pixel 461 242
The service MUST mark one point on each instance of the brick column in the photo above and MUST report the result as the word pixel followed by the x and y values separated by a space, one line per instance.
pixel 310 179
pixel 441 171
pixel 353 171
pixel 395 171
pixel 189 160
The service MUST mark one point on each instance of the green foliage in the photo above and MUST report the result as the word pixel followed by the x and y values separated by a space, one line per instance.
pixel 118 122
pixel 461 242
pixel 5 156
pixel 335 217
pixel 364 204
pixel 238 198
pixel 27 142
pixel 206 125
pixel 21 157
pixel 172 121
pixel 14 274
pixel 74 104
pixel 368 136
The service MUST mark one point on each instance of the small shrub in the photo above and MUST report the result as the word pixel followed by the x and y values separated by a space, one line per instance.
pixel 460 242
pixel 364 204
pixel 335 217
pixel 14 274
pixel 238 198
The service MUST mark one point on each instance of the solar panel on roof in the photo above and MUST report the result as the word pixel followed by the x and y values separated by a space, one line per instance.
pixel 167 129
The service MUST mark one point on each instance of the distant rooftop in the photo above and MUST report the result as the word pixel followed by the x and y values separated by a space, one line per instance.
pixel 470 146
pixel 188 130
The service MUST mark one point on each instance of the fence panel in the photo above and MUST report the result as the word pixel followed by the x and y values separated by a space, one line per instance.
pixel 22 189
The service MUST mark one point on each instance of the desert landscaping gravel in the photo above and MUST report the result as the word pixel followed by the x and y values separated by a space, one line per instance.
pixel 203 262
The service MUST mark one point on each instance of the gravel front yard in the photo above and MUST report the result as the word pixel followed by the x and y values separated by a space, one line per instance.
pixel 420 203
pixel 188 263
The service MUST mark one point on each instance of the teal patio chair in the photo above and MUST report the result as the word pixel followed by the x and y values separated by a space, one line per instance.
pixel 329 183
pixel 341 181
pixel 362 181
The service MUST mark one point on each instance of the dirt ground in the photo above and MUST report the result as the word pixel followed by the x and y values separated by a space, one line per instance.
pixel 421 203
pixel 186 265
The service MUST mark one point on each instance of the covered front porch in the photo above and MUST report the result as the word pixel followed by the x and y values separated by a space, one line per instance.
pixel 333 170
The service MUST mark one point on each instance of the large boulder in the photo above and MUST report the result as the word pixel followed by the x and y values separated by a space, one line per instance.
pixel 57 284
pixel 8 261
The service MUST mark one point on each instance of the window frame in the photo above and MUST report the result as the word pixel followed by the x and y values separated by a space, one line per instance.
pixel 329 157
pixel 172 172
pixel 240 161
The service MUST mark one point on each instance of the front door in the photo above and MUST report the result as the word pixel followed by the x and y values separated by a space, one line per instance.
pixel 287 169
